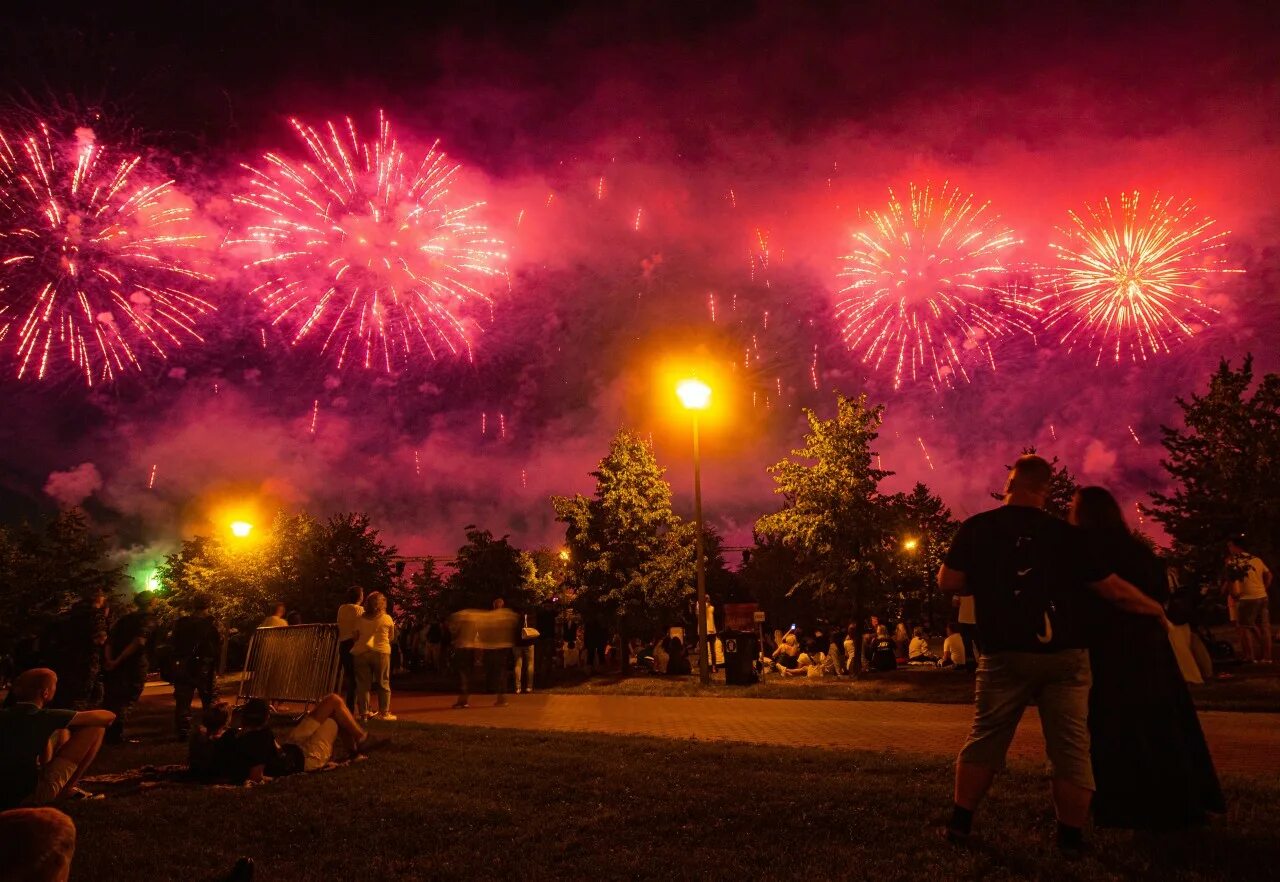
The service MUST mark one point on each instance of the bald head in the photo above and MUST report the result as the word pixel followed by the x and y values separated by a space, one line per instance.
pixel 1029 481
pixel 36 686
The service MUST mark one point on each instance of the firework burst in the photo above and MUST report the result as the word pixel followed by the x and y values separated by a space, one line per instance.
pixel 364 256
pixel 922 297
pixel 1130 283
pixel 91 277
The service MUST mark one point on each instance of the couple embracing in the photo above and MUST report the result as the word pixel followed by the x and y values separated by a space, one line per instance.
pixel 1070 615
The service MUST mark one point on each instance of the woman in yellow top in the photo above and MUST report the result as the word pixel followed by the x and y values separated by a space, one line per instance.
pixel 371 656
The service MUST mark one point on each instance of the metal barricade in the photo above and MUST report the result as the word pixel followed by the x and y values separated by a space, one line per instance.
pixel 291 663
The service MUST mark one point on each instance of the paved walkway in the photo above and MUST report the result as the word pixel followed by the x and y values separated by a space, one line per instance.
pixel 1242 744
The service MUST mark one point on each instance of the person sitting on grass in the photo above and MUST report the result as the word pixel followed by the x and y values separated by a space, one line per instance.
pixel 678 658
pixel 953 648
pixel 211 744
pixel 901 643
pixel 787 656
pixel 307 747
pixel 45 752
pixel 881 655
pixel 919 650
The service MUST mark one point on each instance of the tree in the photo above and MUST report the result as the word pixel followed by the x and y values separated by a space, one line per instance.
pixel 841 530
pixel 631 559
pixel 421 598
pixel 488 568
pixel 925 530
pixel 1062 487
pixel 45 569
pixel 307 565
pixel 1223 463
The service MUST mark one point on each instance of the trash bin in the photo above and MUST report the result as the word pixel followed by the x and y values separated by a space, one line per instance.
pixel 740 654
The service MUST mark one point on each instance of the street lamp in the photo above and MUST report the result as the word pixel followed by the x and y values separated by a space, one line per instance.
pixel 695 395
pixel 241 529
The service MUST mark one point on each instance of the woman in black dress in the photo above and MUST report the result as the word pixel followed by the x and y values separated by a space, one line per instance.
pixel 1150 759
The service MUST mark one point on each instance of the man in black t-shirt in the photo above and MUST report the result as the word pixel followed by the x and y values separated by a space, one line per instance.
pixel 1028 573
pixel 128 659
pixel 196 646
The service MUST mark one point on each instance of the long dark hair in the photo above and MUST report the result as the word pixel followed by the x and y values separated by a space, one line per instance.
pixel 1095 509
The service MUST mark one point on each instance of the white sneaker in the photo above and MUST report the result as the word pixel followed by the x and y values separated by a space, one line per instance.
pixel 389 717
pixel 518 690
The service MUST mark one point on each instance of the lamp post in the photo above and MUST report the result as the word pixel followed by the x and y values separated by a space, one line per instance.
pixel 695 395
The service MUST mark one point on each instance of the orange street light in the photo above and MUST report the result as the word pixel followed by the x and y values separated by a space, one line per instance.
pixel 910 544
pixel 695 395
pixel 241 529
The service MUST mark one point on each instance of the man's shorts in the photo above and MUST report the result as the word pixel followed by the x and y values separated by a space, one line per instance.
pixel 1059 683
pixel 316 741
pixel 1251 612
pixel 54 776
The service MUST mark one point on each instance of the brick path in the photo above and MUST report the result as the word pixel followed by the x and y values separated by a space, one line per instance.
pixel 1242 744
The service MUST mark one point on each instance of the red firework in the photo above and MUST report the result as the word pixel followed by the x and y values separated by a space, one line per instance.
pixel 91 275
pixel 365 255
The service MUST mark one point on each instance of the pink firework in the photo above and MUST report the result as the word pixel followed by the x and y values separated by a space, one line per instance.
pixel 365 256
pixel 926 294
pixel 92 277
pixel 1130 284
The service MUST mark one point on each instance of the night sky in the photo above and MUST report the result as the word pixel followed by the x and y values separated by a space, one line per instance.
pixel 723 151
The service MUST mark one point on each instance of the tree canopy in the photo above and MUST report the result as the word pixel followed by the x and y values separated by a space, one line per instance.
pixel 1223 462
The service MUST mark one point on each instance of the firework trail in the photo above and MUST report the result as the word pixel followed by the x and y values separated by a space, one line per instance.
pixel 921 297
pixel 363 251
pixel 91 272
pixel 1129 283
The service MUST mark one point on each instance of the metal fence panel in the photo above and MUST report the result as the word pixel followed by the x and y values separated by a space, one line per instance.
pixel 291 663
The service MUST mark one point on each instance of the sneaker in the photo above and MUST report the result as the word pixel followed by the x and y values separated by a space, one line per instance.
pixel 529 691
pixel 389 717
pixel 518 690
pixel 461 705
pixel 78 793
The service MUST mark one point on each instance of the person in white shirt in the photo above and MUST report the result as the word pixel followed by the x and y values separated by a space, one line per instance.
pixel 1253 620
pixel 275 617
pixel 918 651
pixel 348 624
pixel 371 656
pixel 953 654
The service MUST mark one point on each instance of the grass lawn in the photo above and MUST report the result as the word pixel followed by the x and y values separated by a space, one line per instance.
pixel 445 801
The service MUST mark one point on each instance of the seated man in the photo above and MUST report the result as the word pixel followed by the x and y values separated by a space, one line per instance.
pixel 211 749
pixel 36 844
pixel 44 752
pixel 953 648
pixel 307 747
pixel 919 653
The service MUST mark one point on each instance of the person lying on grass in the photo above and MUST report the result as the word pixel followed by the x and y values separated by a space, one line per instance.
pixel 44 752
pixel 308 746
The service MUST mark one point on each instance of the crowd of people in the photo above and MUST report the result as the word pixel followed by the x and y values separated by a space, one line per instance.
pixel 1079 617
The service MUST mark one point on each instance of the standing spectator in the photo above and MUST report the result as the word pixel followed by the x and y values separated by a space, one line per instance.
pixel 196 646
pixel 44 751
pixel 275 617
pixel 1152 765
pixel 968 622
pixel 544 649
pixel 371 656
pixel 349 615
pixel 595 637
pixel 1028 572
pixel 128 660
pixel 502 631
pixel 431 649
pixel 524 655
pixel 953 648
pixel 77 655
pixel 1253 620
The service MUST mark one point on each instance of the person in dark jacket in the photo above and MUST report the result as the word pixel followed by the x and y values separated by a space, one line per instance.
pixel 76 652
pixel 196 645
pixel 128 660
pixel 544 649
pixel 1150 759
pixel 882 654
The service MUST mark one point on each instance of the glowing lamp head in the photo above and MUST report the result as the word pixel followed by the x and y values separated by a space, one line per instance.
pixel 241 529
pixel 693 394
pixel 910 544
pixel 564 554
